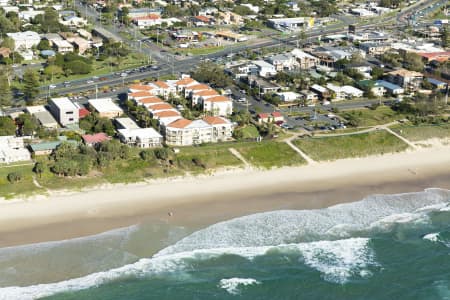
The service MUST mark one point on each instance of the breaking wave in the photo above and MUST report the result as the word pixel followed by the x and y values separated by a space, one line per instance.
pixel 324 240
pixel 232 285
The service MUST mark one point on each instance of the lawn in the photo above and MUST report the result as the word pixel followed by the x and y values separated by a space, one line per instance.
pixel 200 51
pixel 207 157
pixel 422 132
pixel 370 117
pixel 25 186
pixel 348 146
pixel 269 154
pixel 249 132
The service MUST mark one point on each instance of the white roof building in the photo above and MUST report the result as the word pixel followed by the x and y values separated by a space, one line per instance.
pixel 141 137
pixel 12 149
pixel 105 107
pixel 126 123
pixel 24 40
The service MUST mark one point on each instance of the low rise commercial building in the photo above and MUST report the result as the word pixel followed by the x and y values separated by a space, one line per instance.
pixel 105 107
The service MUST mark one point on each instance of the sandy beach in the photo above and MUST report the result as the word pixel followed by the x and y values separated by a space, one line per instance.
pixel 202 200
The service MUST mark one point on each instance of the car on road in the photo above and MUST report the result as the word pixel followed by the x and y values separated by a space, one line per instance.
pixel 155 68
pixel 52 86
pixel 124 74
pixel 90 81
pixel 242 100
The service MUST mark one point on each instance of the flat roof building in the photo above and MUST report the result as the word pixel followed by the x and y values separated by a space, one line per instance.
pixel 105 107
pixel 64 111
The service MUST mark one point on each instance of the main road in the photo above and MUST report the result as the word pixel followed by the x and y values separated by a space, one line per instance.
pixel 167 64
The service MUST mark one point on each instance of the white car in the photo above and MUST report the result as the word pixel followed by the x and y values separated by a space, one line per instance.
pixel 52 86
pixel 124 75
pixel 90 81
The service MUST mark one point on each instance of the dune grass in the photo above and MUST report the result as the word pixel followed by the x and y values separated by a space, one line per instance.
pixel 366 117
pixel 422 132
pixel 349 146
pixel 270 154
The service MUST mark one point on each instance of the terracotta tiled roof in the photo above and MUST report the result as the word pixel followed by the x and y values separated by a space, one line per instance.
pixel 198 87
pixel 180 123
pixel 140 87
pixel 276 114
pixel 83 112
pixel 161 84
pixel 161 106
pixel 185 81
pixel 152 99
pixel 95 138
pixel 166 114
pixel 202 18
pixel 215 120
pixel 206 93
pixel 140 94
pixel 218 99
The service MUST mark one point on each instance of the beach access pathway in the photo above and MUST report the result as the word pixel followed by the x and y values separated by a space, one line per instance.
pixel 240 157
pixel 289 140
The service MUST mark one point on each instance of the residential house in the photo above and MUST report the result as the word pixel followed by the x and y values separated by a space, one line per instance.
pixel 42 115
pixel 163 89
pixel 265 69
pixel 24 40
pixel 183 132
pixel 283 62
pixel 28 15
pixel 125 123
pixel 309 97
pixel 12 149
pixel 200 21
pixel 409 80
pixel 64 111
pixel 375 87
pixel 437 84
pixel 289 96
pixel 391 88
pixel 105 108
pixel 222 128
pixel 375 48
pixel 166 117
pixel 229 18
pixel 274 117
pixel 191 89
pixel 95 139
pixel 205 94
pixel 344 92
pixel 217 105
pixel 81 44
pixel 141 137
pixel 321 91
pixel 441 57
pixel 62 46
pixel 305 60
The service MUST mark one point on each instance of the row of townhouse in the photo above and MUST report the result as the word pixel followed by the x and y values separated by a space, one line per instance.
pixel 177 130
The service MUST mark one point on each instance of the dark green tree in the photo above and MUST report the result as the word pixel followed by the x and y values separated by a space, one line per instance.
pixel 30 85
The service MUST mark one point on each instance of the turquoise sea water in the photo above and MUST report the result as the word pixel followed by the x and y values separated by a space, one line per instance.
pixel 383 247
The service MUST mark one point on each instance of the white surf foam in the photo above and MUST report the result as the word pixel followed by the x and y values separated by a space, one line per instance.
pixel 336 260
pixel 343 220
pixel 433 237
pixel 254 235
pixel 232 285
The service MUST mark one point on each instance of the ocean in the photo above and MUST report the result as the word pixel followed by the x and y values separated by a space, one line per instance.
pixel 382 247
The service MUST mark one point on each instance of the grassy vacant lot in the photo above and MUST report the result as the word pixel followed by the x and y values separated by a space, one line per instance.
pixel 250 132
pixel 422 132
pixel 200 51
pixel 368 117
pixel 269 154
pixel 197 159
pixel 25 186
pixel 357 145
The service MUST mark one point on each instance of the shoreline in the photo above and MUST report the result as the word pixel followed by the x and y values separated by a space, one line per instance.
pixel 198 201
